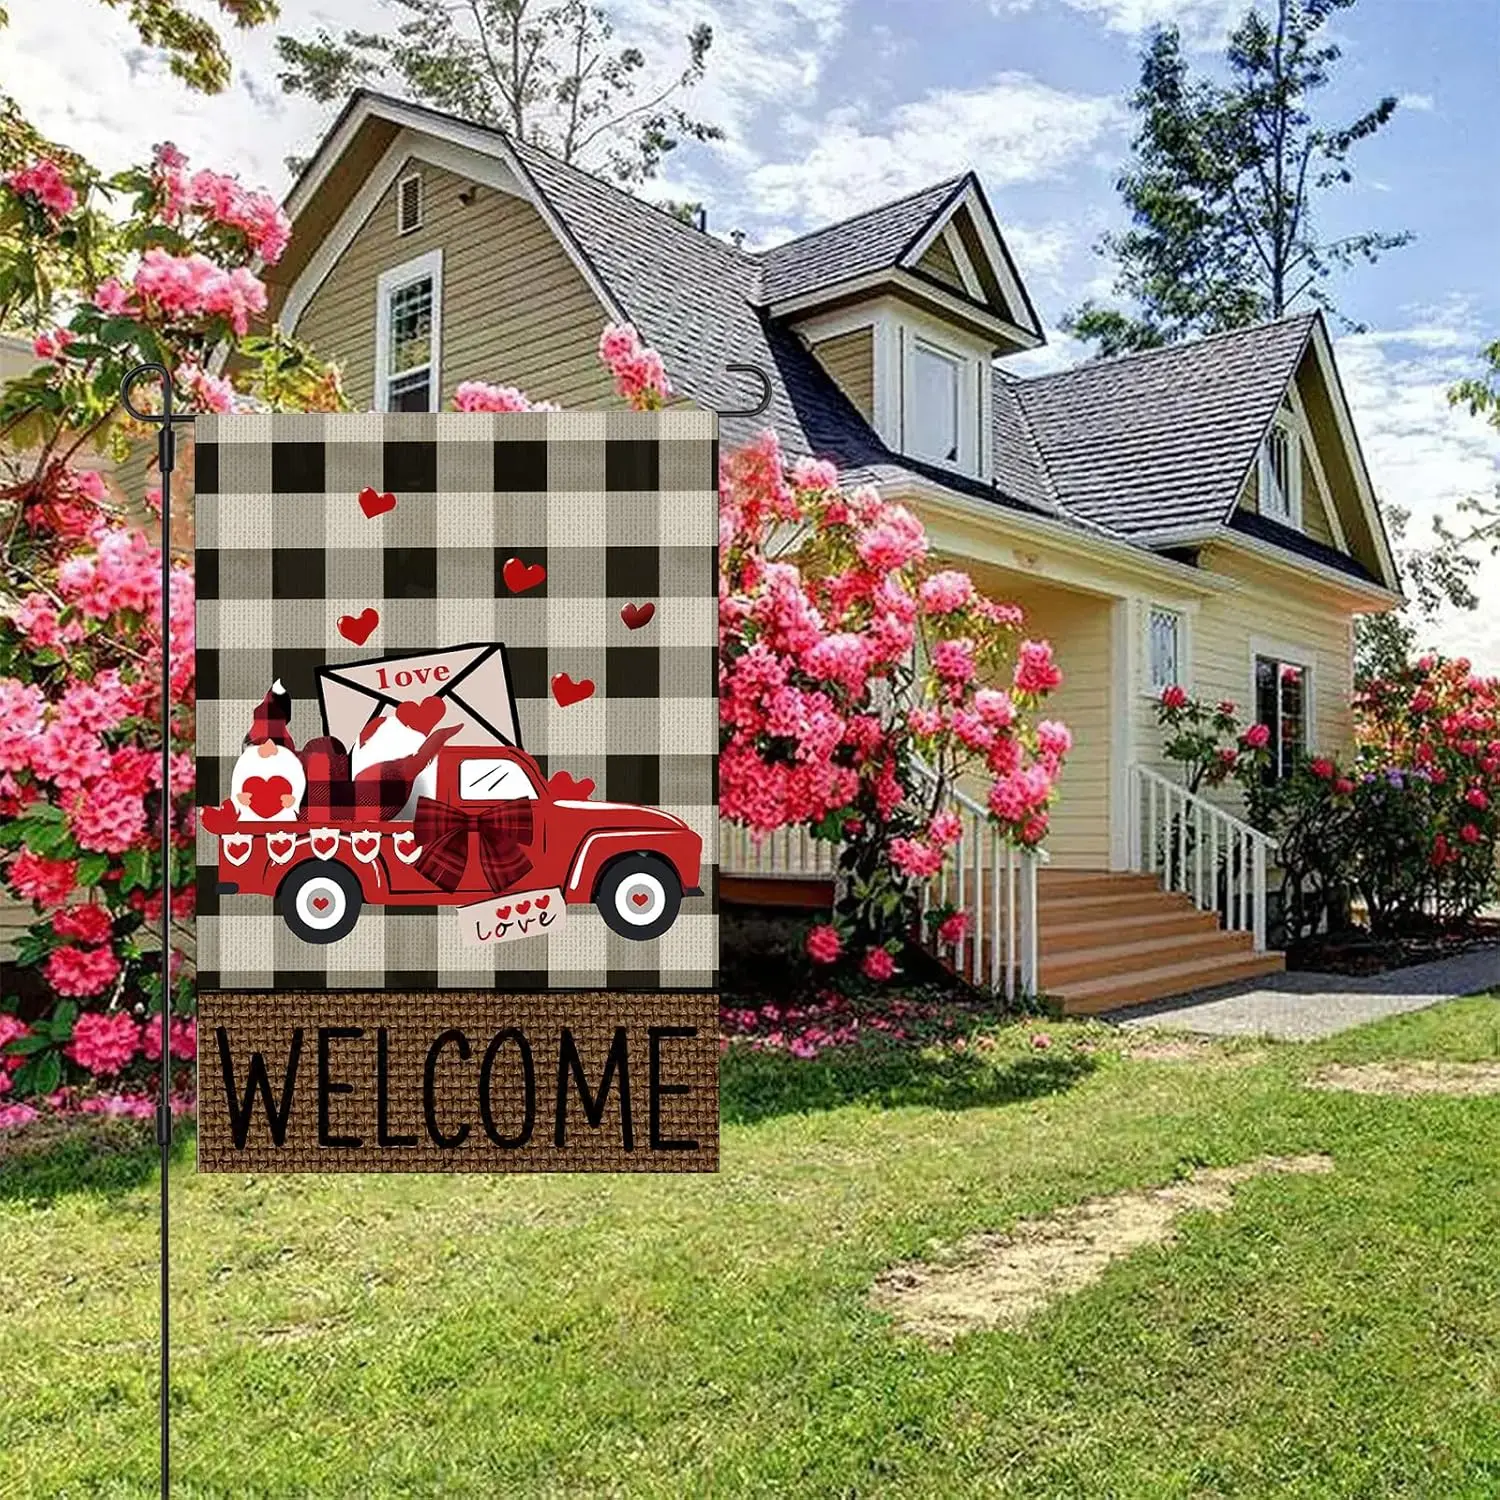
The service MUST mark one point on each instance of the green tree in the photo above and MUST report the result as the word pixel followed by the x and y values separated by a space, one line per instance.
pixel 192 46
pixel 1225 184
pixel 549 73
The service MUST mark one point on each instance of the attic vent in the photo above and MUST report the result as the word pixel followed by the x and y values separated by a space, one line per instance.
pixel 409 204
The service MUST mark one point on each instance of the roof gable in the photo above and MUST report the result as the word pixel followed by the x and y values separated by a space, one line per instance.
pixel 1151 444
pixel 941 241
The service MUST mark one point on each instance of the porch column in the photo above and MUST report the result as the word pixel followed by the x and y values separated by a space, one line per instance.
pixel 1124 674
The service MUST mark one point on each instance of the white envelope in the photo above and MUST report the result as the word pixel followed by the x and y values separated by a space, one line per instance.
pixel 474 683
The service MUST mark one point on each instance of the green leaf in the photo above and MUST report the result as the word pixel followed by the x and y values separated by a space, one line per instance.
pixel 92 869
pixel 25 1045
pixel 136 867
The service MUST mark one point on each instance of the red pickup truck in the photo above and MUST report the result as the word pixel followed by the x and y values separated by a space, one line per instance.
pixel 634 864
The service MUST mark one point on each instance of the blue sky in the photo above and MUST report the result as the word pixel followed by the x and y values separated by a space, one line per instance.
pixel 832 105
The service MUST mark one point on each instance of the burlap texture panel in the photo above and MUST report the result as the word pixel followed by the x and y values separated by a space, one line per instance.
pixel 456 1081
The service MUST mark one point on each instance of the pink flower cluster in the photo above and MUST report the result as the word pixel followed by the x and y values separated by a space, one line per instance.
pixel 104 1041
pixel 221 199
pixel 475 395
pixel 639 375
pixel 45 183
pixel 182 288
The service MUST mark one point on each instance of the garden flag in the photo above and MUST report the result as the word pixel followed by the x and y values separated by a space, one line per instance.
pixel 456 739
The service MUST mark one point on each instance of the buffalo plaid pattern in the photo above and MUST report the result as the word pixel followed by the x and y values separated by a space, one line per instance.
pixel 618 507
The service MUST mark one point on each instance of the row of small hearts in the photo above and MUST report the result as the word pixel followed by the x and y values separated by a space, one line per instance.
pixel 359 628
pixel 324 842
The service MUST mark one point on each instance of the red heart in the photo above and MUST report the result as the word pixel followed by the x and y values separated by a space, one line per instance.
pixel 636 615
pixel 566 691
pixel 541 902
pixel 219 819
pixel 320 903
pixel 503 912
pixel 562 785
pixel 375 504
pixel 265 793
pixel 523 907
pixel 423 715
pixel 521 576
pixel 359 628
pixel 641 898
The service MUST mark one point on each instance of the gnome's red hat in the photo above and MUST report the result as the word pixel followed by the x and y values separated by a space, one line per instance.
pixel 272 717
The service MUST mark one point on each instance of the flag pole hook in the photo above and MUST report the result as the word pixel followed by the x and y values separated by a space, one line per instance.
pixel 765 392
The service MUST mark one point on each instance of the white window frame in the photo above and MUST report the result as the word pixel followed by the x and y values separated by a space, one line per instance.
pixel 925 350
pixel 1289 654
pixel 387 284
pixel 1288 430
pixel 401 182
pixel 1152 688
pixel 966 365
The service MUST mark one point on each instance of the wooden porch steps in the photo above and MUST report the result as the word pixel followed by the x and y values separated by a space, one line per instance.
pixel 1109 940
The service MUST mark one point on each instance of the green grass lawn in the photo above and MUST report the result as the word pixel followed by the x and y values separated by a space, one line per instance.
pixel 1329 1336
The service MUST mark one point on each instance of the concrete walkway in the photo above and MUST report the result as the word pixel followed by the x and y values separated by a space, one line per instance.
pixel 1304 1005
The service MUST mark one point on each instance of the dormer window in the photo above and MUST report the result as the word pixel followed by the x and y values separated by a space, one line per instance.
pixel 932 414
pixel 1281 475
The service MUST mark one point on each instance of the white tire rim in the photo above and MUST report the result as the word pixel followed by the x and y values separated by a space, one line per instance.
pixel 321 888
pixel 640 913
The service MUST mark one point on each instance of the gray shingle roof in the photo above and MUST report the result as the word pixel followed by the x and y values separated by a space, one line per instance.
pixel 871 241
pixel 1150 443
pixel 1132 448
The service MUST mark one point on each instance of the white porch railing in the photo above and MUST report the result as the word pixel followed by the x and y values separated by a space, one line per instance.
pixel 993 883
pixel 1200 850
pixel 788 853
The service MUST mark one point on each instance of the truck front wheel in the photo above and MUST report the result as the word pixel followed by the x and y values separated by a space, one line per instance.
pixel 639 896
pixel 320 901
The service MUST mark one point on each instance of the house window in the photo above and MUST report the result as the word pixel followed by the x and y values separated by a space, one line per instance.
pixel 932 409
pixel 408 322
pixel 409 204
pixel 1166 649
pixel 1281 476
pixel 1281 702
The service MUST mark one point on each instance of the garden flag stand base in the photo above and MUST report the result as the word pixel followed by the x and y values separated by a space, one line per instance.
pixel 166 447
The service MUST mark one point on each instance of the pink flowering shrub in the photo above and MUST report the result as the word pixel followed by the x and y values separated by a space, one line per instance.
pixel 169 279
pixel 844 655
pixel 1409 823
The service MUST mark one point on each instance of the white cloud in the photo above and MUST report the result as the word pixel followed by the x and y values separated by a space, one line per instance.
pixel 1421 102
pixel 1424 454
pixel 1014 129
pixel 1203 23
pixel 79 72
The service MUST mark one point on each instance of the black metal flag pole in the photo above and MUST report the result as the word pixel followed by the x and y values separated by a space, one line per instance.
pixel 166 444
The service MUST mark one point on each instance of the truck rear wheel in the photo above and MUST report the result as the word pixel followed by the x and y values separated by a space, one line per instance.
pixel 639 896
pixel 320 901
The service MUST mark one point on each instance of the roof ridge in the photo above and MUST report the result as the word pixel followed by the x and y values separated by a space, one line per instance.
pixel 595 180
pixel 1114 361
pixel 864 213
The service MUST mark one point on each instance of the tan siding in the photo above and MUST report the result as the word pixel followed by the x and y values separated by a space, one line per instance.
pixel 1314 516
pixel 939 262
pixel 850 359
pixel 1078 625
pixel 516 310
pixel 1221 633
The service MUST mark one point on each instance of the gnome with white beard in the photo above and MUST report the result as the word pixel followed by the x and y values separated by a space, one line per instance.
pixel 269 781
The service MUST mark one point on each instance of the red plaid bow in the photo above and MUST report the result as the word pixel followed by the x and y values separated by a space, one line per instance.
pixel 443 832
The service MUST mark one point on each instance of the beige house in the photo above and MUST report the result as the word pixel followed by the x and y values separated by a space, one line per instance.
pixel 1199 515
